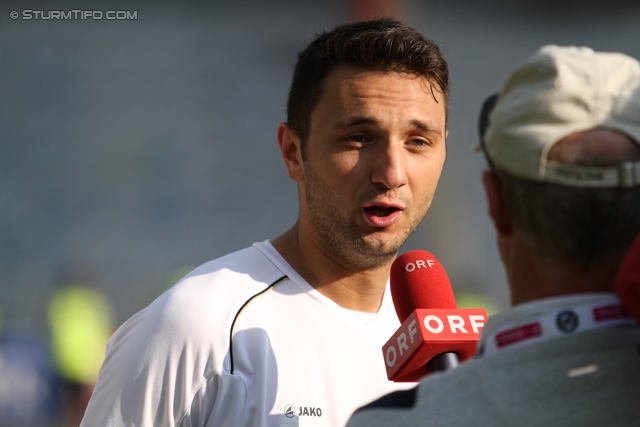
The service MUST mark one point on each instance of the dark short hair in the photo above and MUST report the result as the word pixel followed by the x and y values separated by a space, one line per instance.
pixel 382 45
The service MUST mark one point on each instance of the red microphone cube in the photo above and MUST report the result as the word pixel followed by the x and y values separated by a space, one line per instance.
pixel 427 333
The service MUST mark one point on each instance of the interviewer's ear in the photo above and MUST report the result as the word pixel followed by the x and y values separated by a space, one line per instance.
pixel 291 152
pixel 497 208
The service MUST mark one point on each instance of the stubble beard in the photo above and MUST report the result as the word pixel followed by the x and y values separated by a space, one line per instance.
pixel 340 237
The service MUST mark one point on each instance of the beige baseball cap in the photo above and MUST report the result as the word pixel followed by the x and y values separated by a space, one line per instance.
pixel 555 93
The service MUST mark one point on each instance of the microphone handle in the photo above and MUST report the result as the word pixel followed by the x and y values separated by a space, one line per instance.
pixel 443 362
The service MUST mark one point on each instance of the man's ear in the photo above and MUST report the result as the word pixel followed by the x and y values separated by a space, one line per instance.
pixel 497 209
pixel 291 152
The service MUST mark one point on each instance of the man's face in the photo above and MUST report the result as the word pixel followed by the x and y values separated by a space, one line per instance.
pixel 372 161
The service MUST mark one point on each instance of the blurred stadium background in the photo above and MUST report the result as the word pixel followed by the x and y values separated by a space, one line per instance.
pixel 133 150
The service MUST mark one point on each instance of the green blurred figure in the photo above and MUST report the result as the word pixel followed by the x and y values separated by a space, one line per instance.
pixel 81 323
pixel 475 300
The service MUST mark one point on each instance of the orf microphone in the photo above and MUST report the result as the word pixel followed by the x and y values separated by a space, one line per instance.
pixel 434 334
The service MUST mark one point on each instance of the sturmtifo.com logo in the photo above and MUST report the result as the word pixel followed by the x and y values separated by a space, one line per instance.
pixel 74 14
pixel 290 411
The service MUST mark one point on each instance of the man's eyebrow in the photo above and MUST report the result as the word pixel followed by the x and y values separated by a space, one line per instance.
pixel 425 127
pixel 355 121
pixel 366 120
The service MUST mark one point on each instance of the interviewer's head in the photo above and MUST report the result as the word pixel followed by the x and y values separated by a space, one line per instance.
pixel 562 141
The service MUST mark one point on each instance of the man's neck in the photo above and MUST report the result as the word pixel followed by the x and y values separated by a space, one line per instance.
pixel 350 288
pixel 532 277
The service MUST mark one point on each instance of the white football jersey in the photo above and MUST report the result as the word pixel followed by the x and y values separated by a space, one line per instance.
pixel 243 341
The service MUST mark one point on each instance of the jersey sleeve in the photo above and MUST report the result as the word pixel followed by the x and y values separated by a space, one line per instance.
pixel 165 367
pixel 169 364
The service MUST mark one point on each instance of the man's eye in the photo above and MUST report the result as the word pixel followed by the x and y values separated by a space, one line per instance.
pixel 359 139
pixel 420 142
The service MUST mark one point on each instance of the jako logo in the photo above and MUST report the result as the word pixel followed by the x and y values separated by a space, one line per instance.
pixel 310 412
pixel 290 411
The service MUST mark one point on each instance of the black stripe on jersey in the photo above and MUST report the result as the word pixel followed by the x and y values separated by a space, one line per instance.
pixel 233 324
pixel 403 399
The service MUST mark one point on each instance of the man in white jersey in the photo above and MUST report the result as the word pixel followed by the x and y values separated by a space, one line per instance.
pixel 562 140
pixel 289 331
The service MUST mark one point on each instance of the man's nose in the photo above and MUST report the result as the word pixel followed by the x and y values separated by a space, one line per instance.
pixel 389 166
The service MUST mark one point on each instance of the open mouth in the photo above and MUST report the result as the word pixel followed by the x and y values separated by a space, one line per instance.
pixel 381 216
pixel 380 211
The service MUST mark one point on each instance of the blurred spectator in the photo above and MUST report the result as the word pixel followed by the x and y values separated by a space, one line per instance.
pixel 29 390
pixel 81 323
